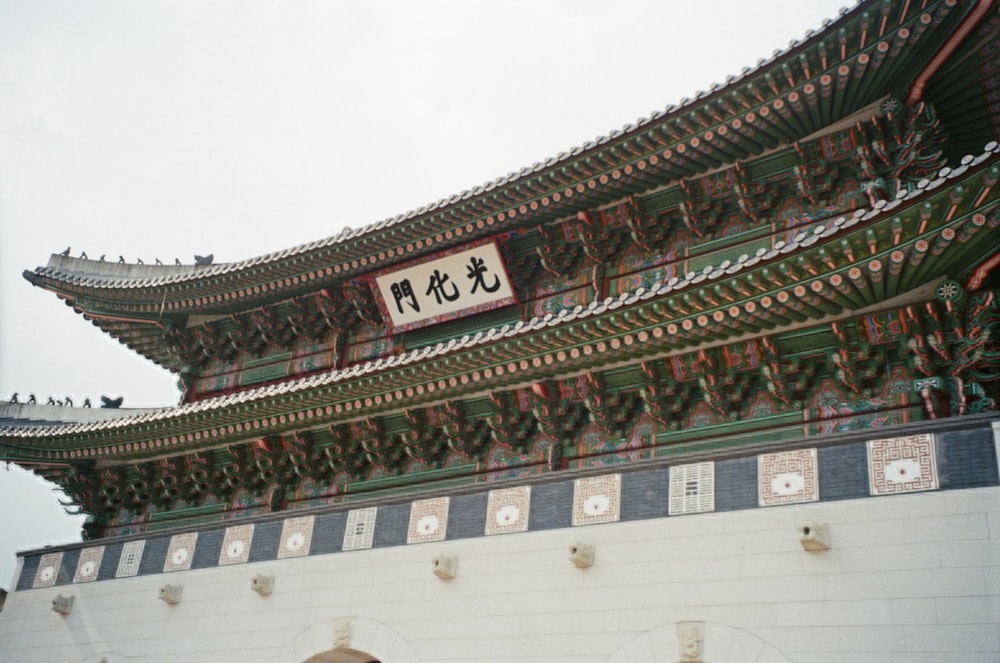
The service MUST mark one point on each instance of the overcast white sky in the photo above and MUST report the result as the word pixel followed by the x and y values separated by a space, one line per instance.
pixel 166 129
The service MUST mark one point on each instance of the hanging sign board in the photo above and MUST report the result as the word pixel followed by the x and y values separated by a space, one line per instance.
pixel 445 286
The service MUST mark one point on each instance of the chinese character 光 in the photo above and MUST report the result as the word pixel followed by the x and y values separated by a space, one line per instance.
pixel 477 268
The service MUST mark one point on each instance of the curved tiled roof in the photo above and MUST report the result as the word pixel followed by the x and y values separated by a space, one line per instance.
pixel 166 421
pixel 837 65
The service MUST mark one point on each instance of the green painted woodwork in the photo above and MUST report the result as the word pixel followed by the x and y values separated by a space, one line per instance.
pixel 739 382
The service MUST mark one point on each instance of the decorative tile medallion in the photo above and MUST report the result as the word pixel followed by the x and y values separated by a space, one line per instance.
pixel 597 499
pixel 296 537
pixel 902 464
pixel 128 563
pixel 180 552
pixel 428 520
pixel 507 510
pixel 48 570
pixel 692 488
pixel 360 531
pixel 787 477
pixel 89 564
pixel 236 545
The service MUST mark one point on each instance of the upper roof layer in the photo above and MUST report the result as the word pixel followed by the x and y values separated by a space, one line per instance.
pixel 875 49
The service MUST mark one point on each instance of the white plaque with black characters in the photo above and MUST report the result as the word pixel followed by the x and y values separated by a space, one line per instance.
pixel 444 287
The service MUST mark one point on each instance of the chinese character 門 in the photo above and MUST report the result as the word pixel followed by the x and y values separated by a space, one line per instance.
pixel 403 290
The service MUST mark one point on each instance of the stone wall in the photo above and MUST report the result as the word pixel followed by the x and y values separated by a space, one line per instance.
pixel 913 576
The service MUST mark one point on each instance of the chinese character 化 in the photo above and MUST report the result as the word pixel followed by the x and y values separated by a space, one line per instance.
pixel 437 285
